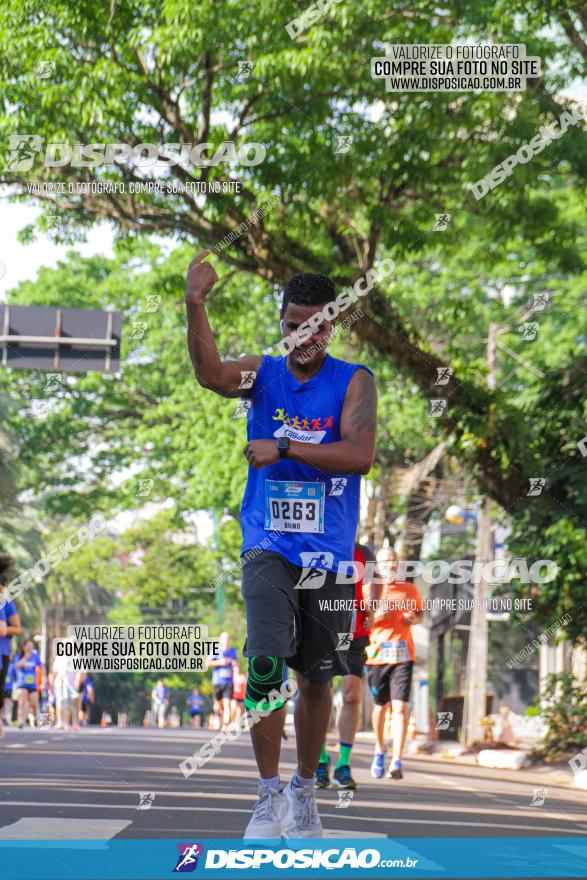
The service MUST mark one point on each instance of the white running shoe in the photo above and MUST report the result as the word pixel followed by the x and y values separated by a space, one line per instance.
pixel 306 821
pixel 271 815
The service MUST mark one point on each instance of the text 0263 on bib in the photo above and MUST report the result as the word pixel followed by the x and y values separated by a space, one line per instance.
pixel 294 506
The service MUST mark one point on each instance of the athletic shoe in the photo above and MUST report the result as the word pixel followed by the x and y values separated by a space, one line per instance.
pixel 306 821
pixel 343 778
pixel 378 766
pixel 271 814
pixel 395 770
pixel 323 774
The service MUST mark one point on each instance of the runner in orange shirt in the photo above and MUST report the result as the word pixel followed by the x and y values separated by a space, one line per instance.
pixel 396 607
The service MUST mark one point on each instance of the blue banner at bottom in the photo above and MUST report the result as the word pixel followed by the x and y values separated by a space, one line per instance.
pixel 481 857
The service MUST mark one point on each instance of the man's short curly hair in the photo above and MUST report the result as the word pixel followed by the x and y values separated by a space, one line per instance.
pixel 308 289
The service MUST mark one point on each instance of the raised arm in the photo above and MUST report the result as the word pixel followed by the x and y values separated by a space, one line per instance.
pixel 352 454
pixel 223 377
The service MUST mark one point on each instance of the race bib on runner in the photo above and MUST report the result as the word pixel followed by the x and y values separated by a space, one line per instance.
pixel 294 507
pixel 394 652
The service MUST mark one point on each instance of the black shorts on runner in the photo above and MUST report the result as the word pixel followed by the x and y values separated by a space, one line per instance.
pixel 223 692
pixel 390 682
pixel 357 654
pixel 302 626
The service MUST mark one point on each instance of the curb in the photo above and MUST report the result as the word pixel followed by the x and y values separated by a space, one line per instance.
pixel 580 780
pixel 539 774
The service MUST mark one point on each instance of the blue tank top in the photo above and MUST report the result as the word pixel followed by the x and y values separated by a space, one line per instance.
pixel 9 610
pixel 4 640
pixel 26 676
pixel 306 515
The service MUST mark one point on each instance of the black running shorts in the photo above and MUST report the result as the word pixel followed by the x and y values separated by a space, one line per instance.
pixel 223 692
pixel 390 682
pixel 304 626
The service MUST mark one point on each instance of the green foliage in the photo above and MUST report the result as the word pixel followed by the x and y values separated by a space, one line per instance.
pixel 155 567
pixel 566 714
pixel 167 73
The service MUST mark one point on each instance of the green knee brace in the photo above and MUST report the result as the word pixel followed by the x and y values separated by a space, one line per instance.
pixel 265 678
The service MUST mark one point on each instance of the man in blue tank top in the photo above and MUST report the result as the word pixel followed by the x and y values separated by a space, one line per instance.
pixel 311 427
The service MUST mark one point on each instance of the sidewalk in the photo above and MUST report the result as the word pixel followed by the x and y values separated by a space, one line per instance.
pixel 453 752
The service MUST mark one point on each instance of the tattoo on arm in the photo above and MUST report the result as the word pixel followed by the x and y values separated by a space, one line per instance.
pixel 364 415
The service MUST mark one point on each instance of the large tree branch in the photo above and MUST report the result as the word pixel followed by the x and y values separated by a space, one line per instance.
pixel 573 34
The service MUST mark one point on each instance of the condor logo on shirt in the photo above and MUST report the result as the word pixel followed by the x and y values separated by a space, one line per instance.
pixel 302 429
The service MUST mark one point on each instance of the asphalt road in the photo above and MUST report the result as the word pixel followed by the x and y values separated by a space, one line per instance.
pixel 57 785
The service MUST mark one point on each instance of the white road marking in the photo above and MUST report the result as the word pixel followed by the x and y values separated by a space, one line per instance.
pixel 247 811
pixel 33 828
pixel 337 832
pixel 468 824
pixel 425 776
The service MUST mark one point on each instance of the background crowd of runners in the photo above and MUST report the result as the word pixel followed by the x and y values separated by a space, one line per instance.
pixel 34 696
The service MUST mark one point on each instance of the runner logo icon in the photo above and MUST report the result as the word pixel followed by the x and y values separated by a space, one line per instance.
pixel 187 861
pixel 443 720
pixel 313 570
pixel 344 641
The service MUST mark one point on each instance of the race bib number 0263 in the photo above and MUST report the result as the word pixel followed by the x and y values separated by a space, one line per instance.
pixel 294 507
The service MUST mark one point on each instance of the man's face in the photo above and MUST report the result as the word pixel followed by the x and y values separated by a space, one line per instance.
pixel 311 350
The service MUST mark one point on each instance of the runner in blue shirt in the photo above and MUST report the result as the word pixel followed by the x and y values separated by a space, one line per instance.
pixel 195 704
pixel 311 434
pixel 12 622
pixel 159 702
pixel 2 635
pixel 222 665
pixel 85 686
pixel 26 665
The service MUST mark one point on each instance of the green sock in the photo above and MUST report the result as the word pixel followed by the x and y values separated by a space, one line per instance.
pixel 324 755
pixel 345 754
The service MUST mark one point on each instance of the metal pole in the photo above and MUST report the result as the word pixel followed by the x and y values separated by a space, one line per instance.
pixel 476 694
pixel 439 672
pixel 476 698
